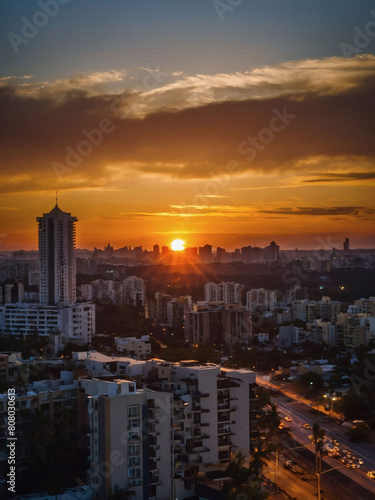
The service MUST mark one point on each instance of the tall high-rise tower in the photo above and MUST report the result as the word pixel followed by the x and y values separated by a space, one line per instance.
pixel 56 235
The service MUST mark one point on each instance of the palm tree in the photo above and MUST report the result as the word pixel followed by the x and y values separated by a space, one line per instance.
pixel 253 490
pixel 270 421
pixel 238 473
pixel 260 458
pixel 120 493
pixel 318 437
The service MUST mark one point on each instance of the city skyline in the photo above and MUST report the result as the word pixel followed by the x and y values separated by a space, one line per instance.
pixel 233 123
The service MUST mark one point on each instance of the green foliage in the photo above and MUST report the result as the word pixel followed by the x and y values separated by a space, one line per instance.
pixel 120 493
pixel 122 319
pixel 358 406
pixel 50 457
pixel 245 480
pixel 358 434
pixel 312 380
pixel 264 399
pixel 318 438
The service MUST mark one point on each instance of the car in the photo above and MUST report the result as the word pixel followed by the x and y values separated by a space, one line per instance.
pixel 360 461
pixel 371 474
pixel 307 426
pixel 288 419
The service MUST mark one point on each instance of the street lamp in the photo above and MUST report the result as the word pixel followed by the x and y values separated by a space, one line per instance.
pixel 324 472
pixel 277 462
pixel 324 396
pixel 332 400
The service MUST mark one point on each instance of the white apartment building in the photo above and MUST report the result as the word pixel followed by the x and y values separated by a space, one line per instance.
pixel 131 290
pixel 328 309
pixel 322 331
pixel 305 310
pixel 226 291
pixel 259 298
pixel 134 291
pixel 355 329
pixel 57 315
pixel 133 346
pixel 363 306
pixel 185 421
pixel 75 323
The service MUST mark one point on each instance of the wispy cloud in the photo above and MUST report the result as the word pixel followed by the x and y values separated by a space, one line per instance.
pixel 321 211
pixel 330 140
pixel 345 177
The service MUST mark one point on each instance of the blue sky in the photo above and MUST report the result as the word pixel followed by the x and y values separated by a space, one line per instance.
pixel 177 35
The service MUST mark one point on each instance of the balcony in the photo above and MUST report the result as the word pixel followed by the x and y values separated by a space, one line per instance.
pixel 223 418
pixel 223 406
pixel 154 481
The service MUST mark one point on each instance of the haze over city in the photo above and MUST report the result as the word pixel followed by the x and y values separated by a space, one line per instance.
pixel 163 120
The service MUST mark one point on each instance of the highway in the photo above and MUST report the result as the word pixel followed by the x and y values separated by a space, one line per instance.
pixel 351 483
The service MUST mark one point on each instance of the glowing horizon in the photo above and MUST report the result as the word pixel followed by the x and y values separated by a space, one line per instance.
pixel 244 133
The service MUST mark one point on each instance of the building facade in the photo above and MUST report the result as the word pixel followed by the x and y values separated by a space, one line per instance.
pixel 57 265
pixel 157 441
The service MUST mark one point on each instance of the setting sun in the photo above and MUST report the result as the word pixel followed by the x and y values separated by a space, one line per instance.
pixel 178 245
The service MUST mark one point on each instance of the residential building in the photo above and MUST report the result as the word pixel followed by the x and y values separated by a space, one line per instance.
pixel 57 264
pixel 75 323
pixel 133 346
pixel 304 310
pixel 218 323
pixel 322 331
pixel 363 306
pixel 228 292
pixel 186 420
pixel 328 309
pixel 355 329
pixel 134 291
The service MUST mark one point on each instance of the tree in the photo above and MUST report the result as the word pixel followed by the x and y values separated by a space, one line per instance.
pixel 238 473
pixel 318 438
pixel 270 421
pixel 260 458
pixel 244 479
pixel 120 493
pixel 253 490
pixel 264 399
pixel 312 380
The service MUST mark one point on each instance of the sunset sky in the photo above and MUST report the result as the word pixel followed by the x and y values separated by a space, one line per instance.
pixel 224 122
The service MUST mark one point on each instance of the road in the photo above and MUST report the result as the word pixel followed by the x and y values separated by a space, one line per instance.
pixel 352 483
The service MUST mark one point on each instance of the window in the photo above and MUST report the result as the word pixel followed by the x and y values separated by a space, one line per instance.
pixel 133 423
pixel 134 461
pixel 134 449
pixel 133 436
pixel 133 411
pixel 134 472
